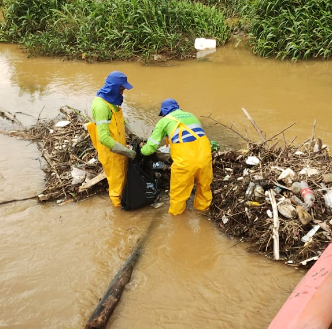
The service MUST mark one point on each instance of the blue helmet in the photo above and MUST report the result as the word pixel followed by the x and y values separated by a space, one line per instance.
pixel 111 89
pixel 167 106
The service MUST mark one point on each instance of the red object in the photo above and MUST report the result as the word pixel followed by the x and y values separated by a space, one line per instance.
pixel 307 194
pixel 310 304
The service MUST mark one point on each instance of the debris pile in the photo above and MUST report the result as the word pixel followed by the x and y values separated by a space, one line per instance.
pixel 276 198
pixel 272 197
pixel 74 172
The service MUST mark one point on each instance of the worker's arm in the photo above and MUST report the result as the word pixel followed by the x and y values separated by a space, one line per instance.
pixel 155 138
pixel 102 116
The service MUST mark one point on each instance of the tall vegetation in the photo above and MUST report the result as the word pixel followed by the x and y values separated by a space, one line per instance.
pixel 231 8
pixel 297 29
pixel 113 29
pixel 129 29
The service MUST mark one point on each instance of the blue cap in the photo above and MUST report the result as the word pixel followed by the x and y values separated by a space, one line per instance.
pixel 167 106
pixel 119 78
pixel 111 89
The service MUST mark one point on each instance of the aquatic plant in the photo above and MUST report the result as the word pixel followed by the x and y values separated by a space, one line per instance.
pixel 296 29
pixel 120 29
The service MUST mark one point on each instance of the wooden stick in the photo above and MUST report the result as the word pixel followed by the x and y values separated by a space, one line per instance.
pixel 92 182
pixel 15 133
pixel 254 125
pixel 313 130
pixel 15 200
pixel 280 132
pixel 10 117
pixel 52 164
pixel 220 123
pixel 275 229
pixel 108 303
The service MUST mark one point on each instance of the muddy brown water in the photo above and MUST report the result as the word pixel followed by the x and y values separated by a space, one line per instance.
pixel 57 261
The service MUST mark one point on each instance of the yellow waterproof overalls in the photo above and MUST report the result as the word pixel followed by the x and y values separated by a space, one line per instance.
pixel 114 165
pixel 191 161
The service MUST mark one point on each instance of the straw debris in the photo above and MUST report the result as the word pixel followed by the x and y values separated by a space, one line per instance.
pixel 245 182
pixel 256 195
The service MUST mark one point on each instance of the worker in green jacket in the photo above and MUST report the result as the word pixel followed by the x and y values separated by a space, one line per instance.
pixel 108 133
pixel 191 154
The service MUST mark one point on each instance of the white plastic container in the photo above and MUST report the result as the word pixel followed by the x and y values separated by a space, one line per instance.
pixel 307 194
pixel 203 44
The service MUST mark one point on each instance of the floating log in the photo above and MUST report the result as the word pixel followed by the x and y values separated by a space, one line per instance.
pixel 110 300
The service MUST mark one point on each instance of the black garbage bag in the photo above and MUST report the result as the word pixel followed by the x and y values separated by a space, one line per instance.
pixel 141 185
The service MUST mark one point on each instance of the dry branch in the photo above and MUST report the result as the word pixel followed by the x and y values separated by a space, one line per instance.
pixel 10 117
pixel 92 182
pixel 70 147
pixel 254 125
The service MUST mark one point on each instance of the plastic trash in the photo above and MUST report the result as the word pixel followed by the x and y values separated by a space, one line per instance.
pixel 303 215
pixel 164 149
pixel 298 201
pixel 62 124
pixel 159 165
pixel 157 205
pixel 327 178
pixel 286 209
pixel 307 237
pixel 309 172
pixel 252 160
pixel 296 187
pixel 307 194
pixel 203 44
pixel 259 193
pixel 249 191
pixel 287 176
pixel 328 198
pixel 278 189
pixel 78 175
pixel 252 204
pixel 225 219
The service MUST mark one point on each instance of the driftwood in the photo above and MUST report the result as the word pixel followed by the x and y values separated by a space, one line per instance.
pixel 10 117
pixel 254 125
pixel 111 298
pixel 92 182
pixel 275 228
pixel 16 200
pixel 279 238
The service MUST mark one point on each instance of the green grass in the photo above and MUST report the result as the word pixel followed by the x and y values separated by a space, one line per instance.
pixel 117 29
pixel 105 30
pixel 297 29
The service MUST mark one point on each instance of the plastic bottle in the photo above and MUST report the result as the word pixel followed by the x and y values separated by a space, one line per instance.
pixel 259 193
pixel 296 187
pixel 307 194
pixel 249 191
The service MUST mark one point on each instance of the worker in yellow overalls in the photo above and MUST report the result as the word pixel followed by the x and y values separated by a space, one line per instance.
pixel 108 133
pixel 191 154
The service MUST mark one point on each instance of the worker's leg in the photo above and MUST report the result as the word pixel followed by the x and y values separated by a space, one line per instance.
pixel 181 185
pixel 204 176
